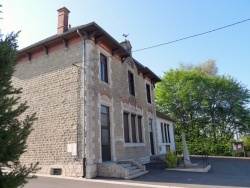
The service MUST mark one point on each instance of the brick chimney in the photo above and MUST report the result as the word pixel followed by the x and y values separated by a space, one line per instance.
pixel 63 17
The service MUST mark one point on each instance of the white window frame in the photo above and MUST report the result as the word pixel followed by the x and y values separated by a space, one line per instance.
pixel 165 133
pixel 109 70
pixel 131 143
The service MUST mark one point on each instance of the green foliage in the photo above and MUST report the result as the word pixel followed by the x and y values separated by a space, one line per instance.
pixel 208 107
pixel 178 160
pixel 171 159
pixel 219 149
pixel 209 67
pixel 246 143
pixel 13 129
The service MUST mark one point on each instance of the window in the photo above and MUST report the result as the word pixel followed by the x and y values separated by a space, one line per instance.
pixel 150 125
pixel 105 134
pixel 105 137
pixel 104 68
pixel 133 128
pixel 162 133
pixel 126 127
pixel 134 123
pixel 151 135
pixel 148 93
pixel 56 171
pixel 104 116
pixel 131 83
pixel 165 133
pixel 168 133
pixel 140 128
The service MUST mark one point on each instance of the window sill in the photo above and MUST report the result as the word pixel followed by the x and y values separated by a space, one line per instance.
pixel 134 144
pixel 103 82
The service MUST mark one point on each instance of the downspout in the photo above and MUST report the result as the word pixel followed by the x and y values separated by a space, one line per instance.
pixel 84 104
pixel 155 133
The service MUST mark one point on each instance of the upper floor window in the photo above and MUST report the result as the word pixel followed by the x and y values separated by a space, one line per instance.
pixel 165 133
pixel 103 68
pixel 131 83
pixel 148 93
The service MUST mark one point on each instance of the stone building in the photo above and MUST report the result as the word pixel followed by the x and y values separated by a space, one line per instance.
pixel 94 103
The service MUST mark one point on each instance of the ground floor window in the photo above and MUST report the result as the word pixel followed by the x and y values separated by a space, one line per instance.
pixel 126 127
pixel 165 133
pixel 132 125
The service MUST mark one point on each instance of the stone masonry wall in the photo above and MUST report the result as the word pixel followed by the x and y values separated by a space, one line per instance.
pixel 113 95
pixel 52 87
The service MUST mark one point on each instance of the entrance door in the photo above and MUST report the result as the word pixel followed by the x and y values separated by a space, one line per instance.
pixel 105 134
pixel 151 135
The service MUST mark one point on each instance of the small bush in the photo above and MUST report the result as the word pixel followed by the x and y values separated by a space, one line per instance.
pixel 171 159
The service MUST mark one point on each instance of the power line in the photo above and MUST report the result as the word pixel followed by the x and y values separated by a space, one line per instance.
pixel 192 36
pixel 177 40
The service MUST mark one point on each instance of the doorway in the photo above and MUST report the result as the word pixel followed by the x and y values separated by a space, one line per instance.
pixel 105 134
pixel 151 135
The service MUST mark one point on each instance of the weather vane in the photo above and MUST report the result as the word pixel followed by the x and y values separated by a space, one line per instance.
pixel 125 36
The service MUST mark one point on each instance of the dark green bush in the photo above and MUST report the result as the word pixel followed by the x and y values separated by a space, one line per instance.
pixel 219 149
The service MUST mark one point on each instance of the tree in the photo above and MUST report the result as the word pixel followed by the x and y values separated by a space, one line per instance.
pixel 227 107
pixel 208 107
pixel 14 129
pixel 209 67
pixel 180 96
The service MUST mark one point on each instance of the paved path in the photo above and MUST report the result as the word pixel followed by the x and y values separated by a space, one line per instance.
pixel 232 172
pixel 225 172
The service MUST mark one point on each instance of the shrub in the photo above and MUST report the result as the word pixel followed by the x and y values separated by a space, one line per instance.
pixel 220 149
pixel 246 143
pixel 214 149
pixel 171 159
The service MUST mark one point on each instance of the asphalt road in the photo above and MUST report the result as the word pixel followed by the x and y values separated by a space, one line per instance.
pixel 225 172
pixel 45 182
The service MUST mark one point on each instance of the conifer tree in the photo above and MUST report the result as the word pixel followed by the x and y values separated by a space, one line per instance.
pixel 14 128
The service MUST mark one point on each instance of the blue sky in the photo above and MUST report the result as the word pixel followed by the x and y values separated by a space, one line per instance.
pixel 148 23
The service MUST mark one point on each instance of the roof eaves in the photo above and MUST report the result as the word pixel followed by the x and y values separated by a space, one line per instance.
pixel 161 115
pixel 72 30
pixel 56 36
pixel 156 78
pixel 108 35
pixel 146 69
